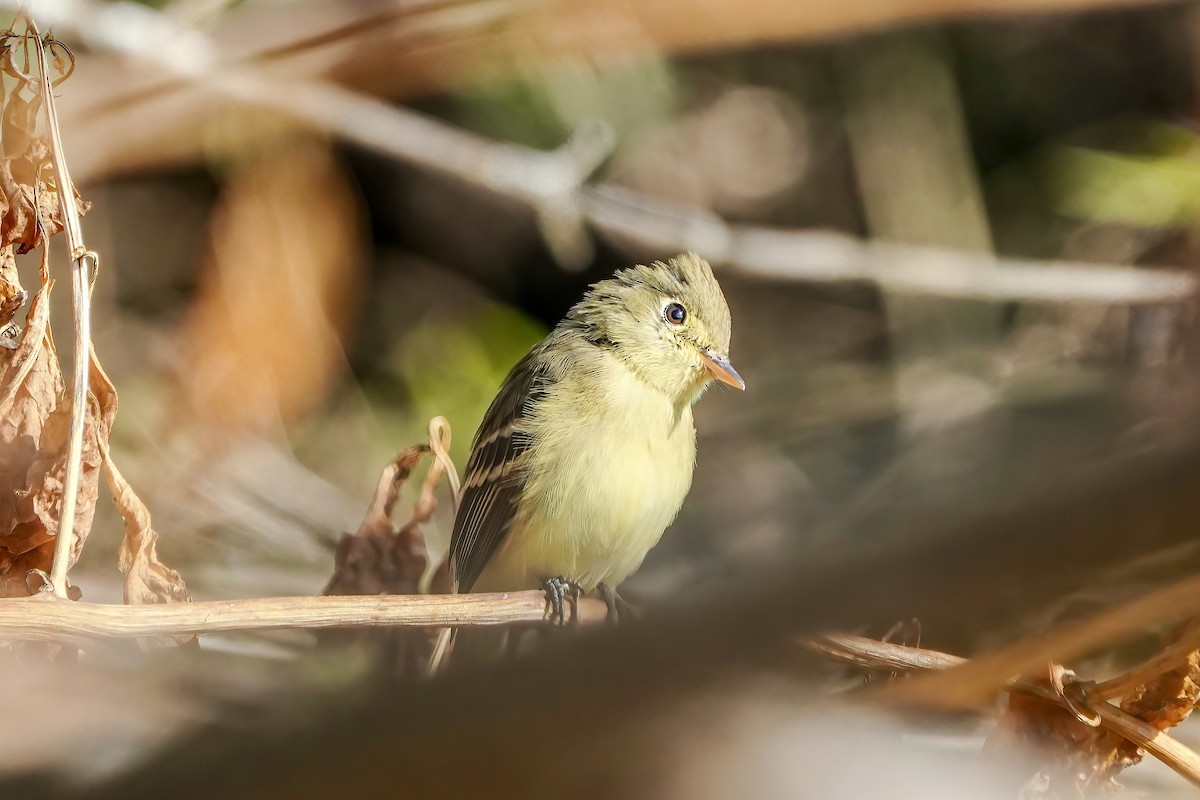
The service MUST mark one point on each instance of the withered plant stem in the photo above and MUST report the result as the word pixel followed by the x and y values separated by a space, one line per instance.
pixel 871 654
pixel 968 683
pixel 82 264
pixel 1152 668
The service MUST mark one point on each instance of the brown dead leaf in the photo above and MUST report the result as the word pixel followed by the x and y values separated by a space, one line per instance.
pixel 381 559
pixel 34 413
pixel 1069 757
pixel 29 203
pixel 18 122
pixel 34 416
pixel 12 296
pixel 33 436
pixel 1074 759
pixel 1164 702
pixel 262 343
pixel 147 579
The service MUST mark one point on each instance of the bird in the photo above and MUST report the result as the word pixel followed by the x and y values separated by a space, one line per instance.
pixel 586 454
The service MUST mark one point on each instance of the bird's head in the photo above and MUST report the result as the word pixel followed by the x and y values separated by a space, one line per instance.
pixel 668 322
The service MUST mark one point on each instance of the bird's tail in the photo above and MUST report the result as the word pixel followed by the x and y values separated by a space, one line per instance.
pixel 442 649
pixel 456 647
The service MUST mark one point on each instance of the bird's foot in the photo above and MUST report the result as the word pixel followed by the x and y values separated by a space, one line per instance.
pixel 618 609
pixel 559 591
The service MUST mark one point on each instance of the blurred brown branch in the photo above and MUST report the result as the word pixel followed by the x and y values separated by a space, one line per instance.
pixel 553 183
pixel 871 654
pixel 51 620
pixel 433 45
pixel 971 681
pixel 809 256
pixel 1187 642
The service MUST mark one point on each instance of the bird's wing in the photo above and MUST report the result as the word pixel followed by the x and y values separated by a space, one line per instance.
pixel 492 483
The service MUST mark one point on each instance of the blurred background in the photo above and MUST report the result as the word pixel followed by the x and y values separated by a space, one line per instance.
pixel 958 241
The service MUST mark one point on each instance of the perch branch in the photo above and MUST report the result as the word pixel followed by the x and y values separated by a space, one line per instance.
pixel 872 654
pixel 49 619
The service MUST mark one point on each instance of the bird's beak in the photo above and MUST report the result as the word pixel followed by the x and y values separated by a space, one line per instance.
pixel 720 368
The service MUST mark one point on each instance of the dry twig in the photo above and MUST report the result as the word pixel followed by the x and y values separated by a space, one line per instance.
pixel 973 681
pixel 826 257
pixel 872 654
pixel 1167 659
pixel 552 183
pixel 38 618
pixel 83 265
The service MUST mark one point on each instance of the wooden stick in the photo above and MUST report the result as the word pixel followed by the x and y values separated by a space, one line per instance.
pixel 47 618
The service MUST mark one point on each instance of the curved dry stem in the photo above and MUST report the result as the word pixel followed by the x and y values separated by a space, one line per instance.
pixel 83 263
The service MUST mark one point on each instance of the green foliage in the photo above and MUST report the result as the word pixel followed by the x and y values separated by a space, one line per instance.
pixel 542 108
pixel 1157 185
pixel 452 368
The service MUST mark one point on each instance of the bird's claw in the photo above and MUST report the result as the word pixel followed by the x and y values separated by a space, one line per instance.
pixel 618 609
pixel 558 591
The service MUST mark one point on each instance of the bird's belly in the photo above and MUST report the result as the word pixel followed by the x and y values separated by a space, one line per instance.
pixel 597 517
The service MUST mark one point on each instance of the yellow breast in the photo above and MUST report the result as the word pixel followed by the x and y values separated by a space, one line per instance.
pixel 607 475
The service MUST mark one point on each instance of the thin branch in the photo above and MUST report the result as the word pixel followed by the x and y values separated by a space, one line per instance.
pixel 1161 662
pixel 872 654
pixel 966 684
pixel 452 37
pixel 552 183
pixel 45 618
pixel 549 182
pixel 83 263
pixel 826 257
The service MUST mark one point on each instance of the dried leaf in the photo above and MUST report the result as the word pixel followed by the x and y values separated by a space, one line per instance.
pixel 1078 760
pixel 1069 757
pixel 28 195
pixel 1164 702
pixel 147 579
pixel 263 340
pixel 34 414
pixel 379 559
pixel 12 296
pixel 33 438
pixel 30 207
pixel 18 123
pixel 33 435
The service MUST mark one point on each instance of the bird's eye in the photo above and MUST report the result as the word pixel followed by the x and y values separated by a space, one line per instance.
pixel 676 314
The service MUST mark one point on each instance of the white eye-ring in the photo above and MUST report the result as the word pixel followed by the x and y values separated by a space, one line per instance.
pixel 675 314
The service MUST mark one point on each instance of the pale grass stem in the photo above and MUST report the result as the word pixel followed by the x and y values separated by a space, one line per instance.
pixel 83 263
